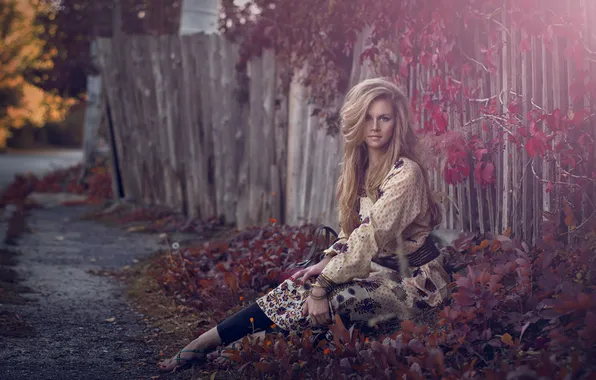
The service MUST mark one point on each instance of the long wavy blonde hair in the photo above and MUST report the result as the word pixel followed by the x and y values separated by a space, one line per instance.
pixel 355 162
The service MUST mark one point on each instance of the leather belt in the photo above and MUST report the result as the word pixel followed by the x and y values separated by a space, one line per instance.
pixel 427 252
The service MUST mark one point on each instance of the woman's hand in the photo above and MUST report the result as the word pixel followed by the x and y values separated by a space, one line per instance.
pixel 311 271
pixel 317 309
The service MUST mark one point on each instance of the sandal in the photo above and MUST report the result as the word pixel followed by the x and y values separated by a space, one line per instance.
pixel 185 363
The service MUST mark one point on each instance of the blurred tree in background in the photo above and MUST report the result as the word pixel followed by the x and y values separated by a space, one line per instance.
pixel 45 58
pixel 12 42
pixel 65 30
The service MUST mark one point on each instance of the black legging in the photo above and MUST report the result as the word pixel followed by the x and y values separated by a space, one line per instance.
pixel 239 325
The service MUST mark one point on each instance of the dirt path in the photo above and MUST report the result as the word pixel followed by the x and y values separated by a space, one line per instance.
pixel 70 310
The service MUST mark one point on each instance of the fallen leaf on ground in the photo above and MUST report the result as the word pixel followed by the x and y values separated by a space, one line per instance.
pixel 111 319
pixel 213 375
pixel 136 229
pixel 59 238
pixel 507 339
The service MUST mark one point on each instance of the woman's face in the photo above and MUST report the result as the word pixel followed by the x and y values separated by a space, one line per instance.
pixel 379 124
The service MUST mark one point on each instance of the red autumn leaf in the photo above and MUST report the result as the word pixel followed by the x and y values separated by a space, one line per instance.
pixel 408 326
pixel 265 366
pixel 484 278
pixel 231 280
pixel 585 301
pixel 514 108
pixel 221 267
pixel 536 145
pixel 416 346
pixel 339 330
pixel 579 116
pixel 464 300
pixel 480 153
pixel 440 120
pixel 488 173
pixel 377 347
pixel 280 347
pixel 236 358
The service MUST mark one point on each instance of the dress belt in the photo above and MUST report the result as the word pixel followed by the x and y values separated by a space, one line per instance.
pixel 427 252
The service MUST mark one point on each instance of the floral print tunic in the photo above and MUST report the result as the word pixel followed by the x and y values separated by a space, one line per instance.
pixel 359 288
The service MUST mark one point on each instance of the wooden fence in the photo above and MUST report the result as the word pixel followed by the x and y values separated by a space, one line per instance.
pixel 194 134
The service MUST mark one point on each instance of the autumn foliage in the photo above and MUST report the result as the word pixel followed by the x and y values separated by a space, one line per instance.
pixel 513 310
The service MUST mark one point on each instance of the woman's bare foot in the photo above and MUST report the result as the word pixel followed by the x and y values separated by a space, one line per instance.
pixel 222 362
pixel 222 358
pixel 194 352
pixel 186 357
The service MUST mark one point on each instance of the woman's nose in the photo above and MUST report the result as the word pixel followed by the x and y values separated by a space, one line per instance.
pixel 375 124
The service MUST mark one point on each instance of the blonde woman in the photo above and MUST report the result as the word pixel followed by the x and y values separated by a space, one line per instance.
pixel 384 264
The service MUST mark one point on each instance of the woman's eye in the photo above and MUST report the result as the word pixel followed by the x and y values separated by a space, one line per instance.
pixel 368 118
pixel 385 118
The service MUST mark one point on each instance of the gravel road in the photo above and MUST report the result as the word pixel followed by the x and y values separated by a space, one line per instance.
pixel 71 309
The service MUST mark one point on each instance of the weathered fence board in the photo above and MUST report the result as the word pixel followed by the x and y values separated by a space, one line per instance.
pixel 296 135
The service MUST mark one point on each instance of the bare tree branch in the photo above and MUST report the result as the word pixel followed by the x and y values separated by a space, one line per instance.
pixel 477 62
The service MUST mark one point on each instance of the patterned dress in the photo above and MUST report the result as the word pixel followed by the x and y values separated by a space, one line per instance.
pixel 363 290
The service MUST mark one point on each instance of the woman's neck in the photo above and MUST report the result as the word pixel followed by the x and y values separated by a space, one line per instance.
pixel 374 157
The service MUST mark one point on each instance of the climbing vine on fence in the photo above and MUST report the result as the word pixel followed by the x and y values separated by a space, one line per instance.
pixel 484 77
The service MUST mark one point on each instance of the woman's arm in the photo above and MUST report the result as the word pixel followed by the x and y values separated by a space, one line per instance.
pixel 338 246
pixel 329 253
pixel 403 199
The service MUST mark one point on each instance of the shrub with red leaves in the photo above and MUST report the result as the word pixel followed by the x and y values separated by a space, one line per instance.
pixel 222 274
pixel 158 220
pixel 18 190
pixel 514 312
pixel 98 185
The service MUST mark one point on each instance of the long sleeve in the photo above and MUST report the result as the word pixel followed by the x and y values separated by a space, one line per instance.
pixel 403 198
pixel 338 246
